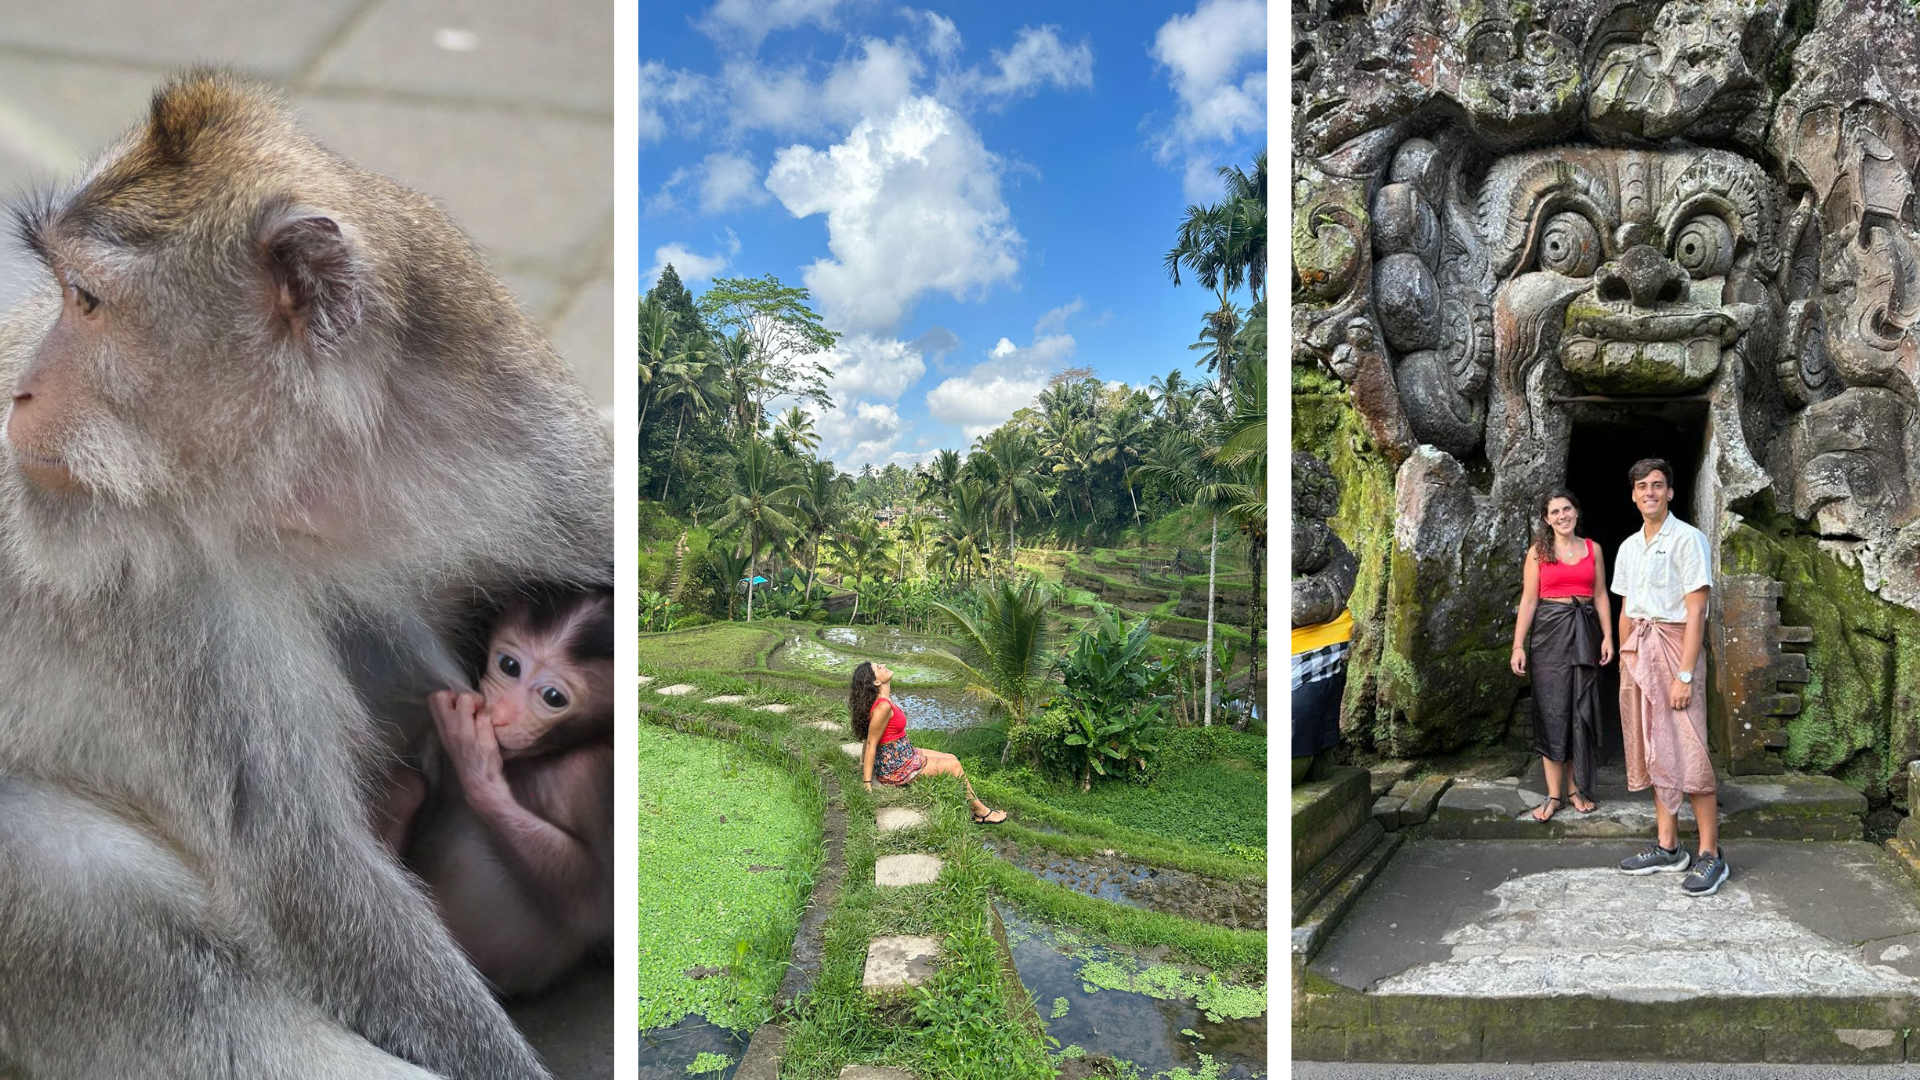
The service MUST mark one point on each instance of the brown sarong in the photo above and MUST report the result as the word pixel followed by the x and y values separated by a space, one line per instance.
pixel 1666 750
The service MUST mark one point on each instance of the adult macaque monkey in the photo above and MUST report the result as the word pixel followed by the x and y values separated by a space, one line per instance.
pixel 514 834
pixel 263 389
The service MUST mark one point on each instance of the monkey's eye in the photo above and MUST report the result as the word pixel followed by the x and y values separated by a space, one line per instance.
pixel 1569 245
pixel 553 697
pixel 509 666
pixel 87 301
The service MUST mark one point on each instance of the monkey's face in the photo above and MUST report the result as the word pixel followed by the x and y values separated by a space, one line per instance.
pixel 539 697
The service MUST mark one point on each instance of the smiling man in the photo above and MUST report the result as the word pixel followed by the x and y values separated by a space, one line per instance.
pixel 1662 576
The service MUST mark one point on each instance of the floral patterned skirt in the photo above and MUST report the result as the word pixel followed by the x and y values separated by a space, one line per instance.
pixel 897 762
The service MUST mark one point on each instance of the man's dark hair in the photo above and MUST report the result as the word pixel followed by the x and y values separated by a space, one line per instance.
pixel 1646 467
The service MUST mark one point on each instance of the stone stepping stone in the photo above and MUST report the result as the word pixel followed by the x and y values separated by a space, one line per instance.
pixel 677 689
pixel 774 708
pixel 874 1072
pixel 823 725
pixel 898 870
pixel 895 818
pixel 725 699
pixel 852 749
pixel 899 962
pixel 645 679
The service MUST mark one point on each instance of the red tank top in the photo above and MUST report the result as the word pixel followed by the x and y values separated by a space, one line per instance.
pixel 896 726
pixel 1568 579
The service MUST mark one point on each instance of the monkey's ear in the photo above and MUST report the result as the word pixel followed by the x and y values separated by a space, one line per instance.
pixel 315 276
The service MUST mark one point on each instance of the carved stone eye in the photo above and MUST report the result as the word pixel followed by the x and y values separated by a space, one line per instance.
pixel 1569 245
pixel 1704 247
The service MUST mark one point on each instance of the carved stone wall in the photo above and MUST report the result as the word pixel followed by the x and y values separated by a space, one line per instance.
pixel 1513 217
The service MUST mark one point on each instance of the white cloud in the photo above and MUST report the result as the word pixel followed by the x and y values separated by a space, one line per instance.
pixel 875 83
pixel 664 90
pixel 723 180
pixel 943 38
pixel 787 102
pixel 912 201
pixel 1008 381
pixel 859 432
pixel 1208 54
pixel 689 264
pixel 782 100
pixel 1036 59
pixel 865 366
pixel 746 23
pixel 1055 320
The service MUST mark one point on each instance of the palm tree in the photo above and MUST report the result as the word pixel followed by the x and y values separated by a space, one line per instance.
pixel 731 566
pixel 1004 651
pixel 736 358
pixel 1170 394
pixel 1010 458
pixel 1183 464
pixel 695 385
pixel 655 337
pixel 1118 440
pixel 943 473
pixel 822 490
pixel 761 502
pixel 1225 246
pixel 793 435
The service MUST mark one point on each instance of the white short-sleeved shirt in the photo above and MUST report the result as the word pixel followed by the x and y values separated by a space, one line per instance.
pixel 1656 576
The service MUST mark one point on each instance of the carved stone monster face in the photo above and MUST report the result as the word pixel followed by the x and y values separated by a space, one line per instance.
pixel 1656 88
pixel 1651 265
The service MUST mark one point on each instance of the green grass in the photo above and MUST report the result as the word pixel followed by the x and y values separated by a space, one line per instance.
pixel 716 647
pixel 710 812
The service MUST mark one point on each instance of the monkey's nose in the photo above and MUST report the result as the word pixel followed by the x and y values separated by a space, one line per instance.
pixel 1643 276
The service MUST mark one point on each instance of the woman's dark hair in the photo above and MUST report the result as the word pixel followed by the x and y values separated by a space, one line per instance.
pixel 860 702
pixel 1543 532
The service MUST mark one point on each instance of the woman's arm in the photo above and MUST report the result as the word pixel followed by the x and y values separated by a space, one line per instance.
pixel 1529 599
pixel 1603 604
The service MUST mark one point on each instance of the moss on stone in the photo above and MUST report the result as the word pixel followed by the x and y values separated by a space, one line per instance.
pixel 1856 720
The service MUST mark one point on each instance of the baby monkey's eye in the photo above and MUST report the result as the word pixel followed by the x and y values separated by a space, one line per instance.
pixel 509 666
pixel 553 698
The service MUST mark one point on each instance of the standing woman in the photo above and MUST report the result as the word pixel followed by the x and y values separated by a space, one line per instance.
pixel 886 755
pixel 1571 642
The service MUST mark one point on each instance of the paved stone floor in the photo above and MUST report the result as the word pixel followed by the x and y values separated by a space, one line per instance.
pixel 501 111
pixel 1523 918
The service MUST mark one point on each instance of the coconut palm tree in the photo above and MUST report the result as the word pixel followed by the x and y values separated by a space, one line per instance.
pixel 823 491
pixel 736 358
pixel 1010 461
pixel 1184 465
pixel 793 435
pixel 730 565
pixel 1004 651
pixel 761 502
pixel 696 387
pixel 655 337
pixel 1118 440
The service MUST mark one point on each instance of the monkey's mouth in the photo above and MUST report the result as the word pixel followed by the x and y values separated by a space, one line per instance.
pixel 42 471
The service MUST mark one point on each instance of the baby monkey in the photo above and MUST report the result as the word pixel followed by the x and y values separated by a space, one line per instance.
pixel 511 827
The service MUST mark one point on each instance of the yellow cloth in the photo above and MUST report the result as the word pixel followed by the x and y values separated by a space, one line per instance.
pixel 1321 635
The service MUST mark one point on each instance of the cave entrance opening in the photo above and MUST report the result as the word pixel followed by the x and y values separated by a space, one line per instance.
pixel 1608 436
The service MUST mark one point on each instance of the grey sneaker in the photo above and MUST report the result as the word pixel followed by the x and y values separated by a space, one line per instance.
pixel 1657 860
pixel 1709 872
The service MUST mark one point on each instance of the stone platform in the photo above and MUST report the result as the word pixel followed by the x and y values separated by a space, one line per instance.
pixel 1784 807
pixel 1544 951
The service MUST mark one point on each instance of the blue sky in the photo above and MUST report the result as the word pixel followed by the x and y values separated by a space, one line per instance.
pixel 978 195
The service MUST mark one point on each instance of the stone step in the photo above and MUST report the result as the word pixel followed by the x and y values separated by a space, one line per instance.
pixel 677 689
pixel 894 818
pixel 1507 950
pixel 898 962
pixel 824 725
pixel 1327 811
pixel 874 1072
pixel 726 699
pixel 1309 887
pixel 643 680
pixel 776 707
pixel 896 871
pixel 851 749
pixel 1789 806
pixel 1310 934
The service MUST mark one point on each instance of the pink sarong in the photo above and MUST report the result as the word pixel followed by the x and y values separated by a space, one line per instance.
pixel 1666 750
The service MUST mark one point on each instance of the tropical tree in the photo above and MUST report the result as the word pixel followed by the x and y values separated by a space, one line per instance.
pixel 1183 464
pixel 730 565
pixel 823 490
pixel 1009 460
pixel 1118 440
pixel 696 387
pixel 656 335
pixel 785 336
pixel 762 504
pixel 1224 246
pixel 1003 650
pixel 793 435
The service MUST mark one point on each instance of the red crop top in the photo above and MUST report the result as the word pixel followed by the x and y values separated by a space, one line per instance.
pixel 897 726
pixel 1568 579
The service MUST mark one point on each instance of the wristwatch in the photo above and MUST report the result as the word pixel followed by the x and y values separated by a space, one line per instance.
pixel 1685 677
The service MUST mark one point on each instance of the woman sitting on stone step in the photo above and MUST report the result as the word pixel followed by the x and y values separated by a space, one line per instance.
pixel 1565 583
pixel 887 755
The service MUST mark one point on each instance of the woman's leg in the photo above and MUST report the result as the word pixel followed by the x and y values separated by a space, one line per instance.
pixel 943 764
pixel 1556 783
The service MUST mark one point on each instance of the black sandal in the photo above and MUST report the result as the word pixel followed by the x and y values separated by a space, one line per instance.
pixel 1556 810
pixel 1594 804
pixel 987 818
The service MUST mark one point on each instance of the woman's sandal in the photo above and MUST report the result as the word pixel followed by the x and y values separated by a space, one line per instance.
pixel 988 818
pixel 1550 799
pixel 1591 805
